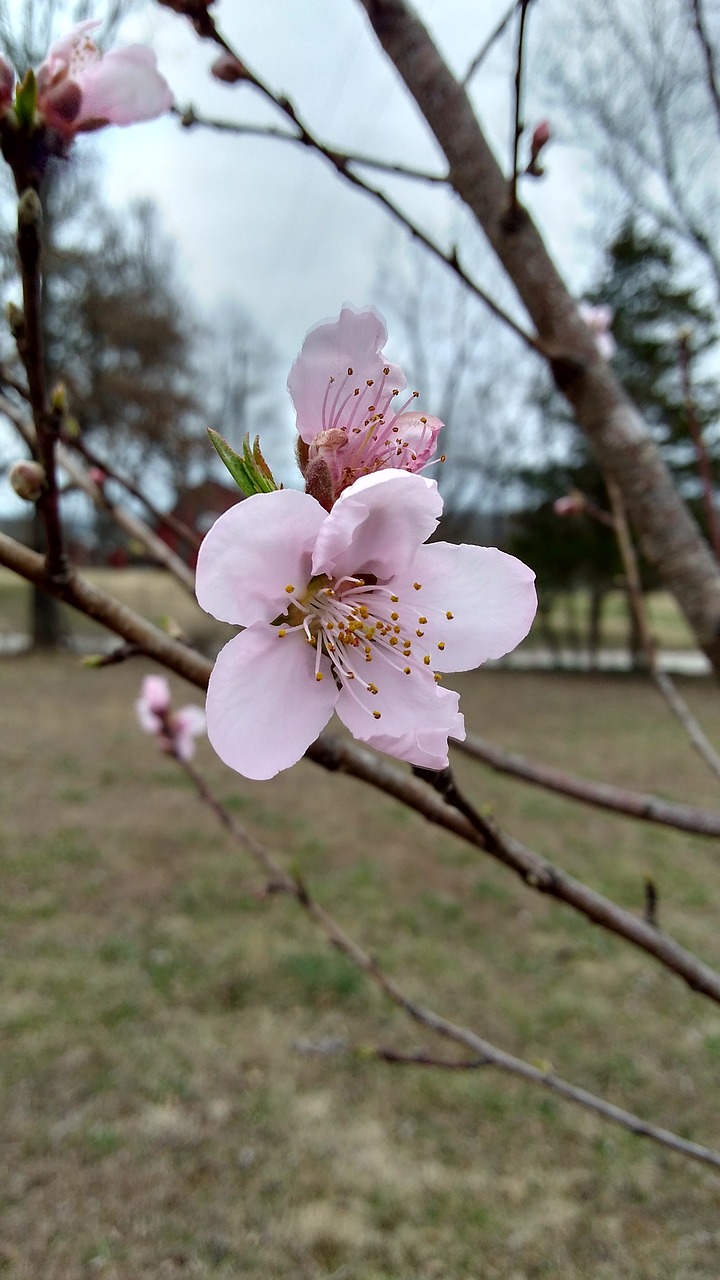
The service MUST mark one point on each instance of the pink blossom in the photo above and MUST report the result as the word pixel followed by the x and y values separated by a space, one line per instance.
pixel 80 88
pixel 343 389
pixel 349 611
pixel 175 730
pixel 599 318
pixel 572 504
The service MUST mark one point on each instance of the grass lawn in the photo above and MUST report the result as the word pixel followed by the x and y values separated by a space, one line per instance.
pixel 158 1119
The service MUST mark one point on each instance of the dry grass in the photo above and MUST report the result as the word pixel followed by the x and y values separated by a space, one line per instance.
pixel 158 1120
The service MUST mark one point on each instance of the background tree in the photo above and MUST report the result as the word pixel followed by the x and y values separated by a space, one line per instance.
pixel 640 282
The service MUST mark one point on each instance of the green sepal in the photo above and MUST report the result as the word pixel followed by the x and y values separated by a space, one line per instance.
pixel 26 99
pixel 249 470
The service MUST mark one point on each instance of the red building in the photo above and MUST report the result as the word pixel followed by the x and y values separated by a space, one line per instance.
pixel 195 510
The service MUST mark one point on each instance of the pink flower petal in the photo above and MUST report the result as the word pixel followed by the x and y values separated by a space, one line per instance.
pixel 187 724
pixel 264 704
pixel 124 87
pixel 330 351
pixel 427 748
pixel 404 708
pixel 419 433
pixel 377 525
pixel 490 595
pixel 253 552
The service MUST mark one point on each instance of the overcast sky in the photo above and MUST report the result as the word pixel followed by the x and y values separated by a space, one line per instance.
pixel 270 223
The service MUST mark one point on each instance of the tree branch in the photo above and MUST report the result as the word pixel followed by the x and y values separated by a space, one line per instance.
pixel 669 537
pixel 648 808
pixel 488 1054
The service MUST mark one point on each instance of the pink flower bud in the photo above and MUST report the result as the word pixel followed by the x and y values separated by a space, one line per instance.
pixel 98 476
pixel 7 84
pixel 228 68
pixel 573 504
pixel 541 136
pixel 28 480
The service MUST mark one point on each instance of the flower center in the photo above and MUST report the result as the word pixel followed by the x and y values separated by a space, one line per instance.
pixel 355 622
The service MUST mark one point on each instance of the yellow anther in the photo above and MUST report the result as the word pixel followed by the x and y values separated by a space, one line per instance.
pixel 449 614
pixel 386 370
pixel 289 588
pixel 394 616
pixel 422 620
pixel 424 421
pixel 393 640
pixel 282 632
pixel 376 715
pixel 318 675
pixel 417 585
pixel 426 659
pixel 441 644
pixel 394 599
pixel 437 677
pixel 419 632
pixel 369 382
pixel 350 373
pixel 406 670
pixel 396 629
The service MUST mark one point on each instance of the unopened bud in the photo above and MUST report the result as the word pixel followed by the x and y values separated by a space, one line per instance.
pixel 16 321
pixel 98 476
pixel 7 84
pixel 573 504
pixel 540 138
pixel 542 134
pixel 58 398
pixel 228 69
pixel 28 480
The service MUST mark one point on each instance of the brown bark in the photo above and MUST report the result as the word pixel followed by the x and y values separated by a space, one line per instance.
pixel 622 444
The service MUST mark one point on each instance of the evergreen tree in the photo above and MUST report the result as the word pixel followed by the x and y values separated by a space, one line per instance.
pixel 650 306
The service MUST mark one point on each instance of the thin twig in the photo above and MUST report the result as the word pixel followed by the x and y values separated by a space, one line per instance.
pixel 131 524
pixel 708 54
pixel 701 453
pixel 631 804
pixel 666 686
pixel 490 1056
pixel 452 812
pixel 487 1054
pixel 518 126
pixel 306 138
pixel 487 45
pixel 189 117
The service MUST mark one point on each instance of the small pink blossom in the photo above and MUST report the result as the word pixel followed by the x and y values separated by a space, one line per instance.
pixel 599 319
pixel 175 730
pixel 80 88
pixel 349 611
pixel 344 390
pixel 572 504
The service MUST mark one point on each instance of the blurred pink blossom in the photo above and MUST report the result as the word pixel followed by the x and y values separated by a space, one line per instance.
pixel 573 504
pixel 175 730
pixel 348 611
pixel 599 317
pixel 80 88
pixel 343 389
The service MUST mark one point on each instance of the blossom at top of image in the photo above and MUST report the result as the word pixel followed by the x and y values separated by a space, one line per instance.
pixel 350 611
pixel 80 88
pixel 348 399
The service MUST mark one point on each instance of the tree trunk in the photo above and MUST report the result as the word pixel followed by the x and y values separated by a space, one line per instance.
pixel 47 625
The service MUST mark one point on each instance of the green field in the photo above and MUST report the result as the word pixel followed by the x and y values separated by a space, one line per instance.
pixel 158 1117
